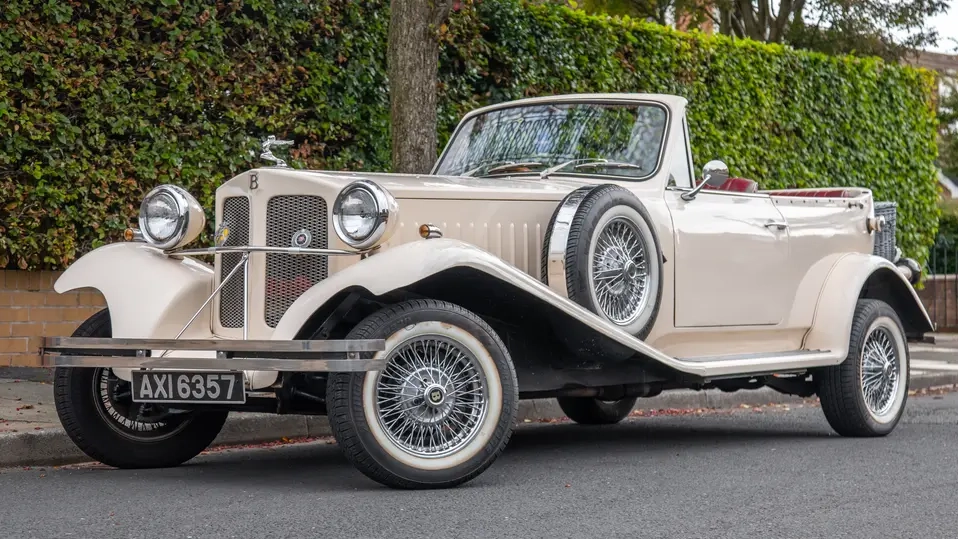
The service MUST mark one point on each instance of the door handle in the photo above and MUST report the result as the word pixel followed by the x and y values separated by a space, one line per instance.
pixel 778 225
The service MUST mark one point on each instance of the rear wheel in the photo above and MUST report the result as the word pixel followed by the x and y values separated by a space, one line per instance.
pixel 442 409
pixel 98 413
pixel 865 395
pixel 592 411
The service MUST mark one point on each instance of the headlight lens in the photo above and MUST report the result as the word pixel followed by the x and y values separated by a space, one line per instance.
pixel 364 214
pixel 160 216
pixel 165 216
pixel 358 214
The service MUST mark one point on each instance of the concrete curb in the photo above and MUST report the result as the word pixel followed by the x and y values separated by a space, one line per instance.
pixel 51 447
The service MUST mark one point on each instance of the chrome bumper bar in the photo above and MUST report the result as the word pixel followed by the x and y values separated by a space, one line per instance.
pixel 231 355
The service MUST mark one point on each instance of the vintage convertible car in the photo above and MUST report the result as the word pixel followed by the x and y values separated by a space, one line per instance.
pixel 561 248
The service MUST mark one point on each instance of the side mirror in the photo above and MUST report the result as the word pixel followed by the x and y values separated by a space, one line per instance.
pixel 714 173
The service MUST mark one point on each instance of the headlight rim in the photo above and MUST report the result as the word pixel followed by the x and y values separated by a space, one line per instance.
pixel 182 200
pixel 386 210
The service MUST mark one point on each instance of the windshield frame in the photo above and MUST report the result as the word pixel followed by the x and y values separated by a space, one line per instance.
pixel 531 102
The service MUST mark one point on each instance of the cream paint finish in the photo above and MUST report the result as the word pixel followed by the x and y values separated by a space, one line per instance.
pixel 832 324
pixel 501 222
pixel 150 296
pixel 414 261
pixel 730 268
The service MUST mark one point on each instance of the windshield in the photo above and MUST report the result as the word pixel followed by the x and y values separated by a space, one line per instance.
pixel 622 139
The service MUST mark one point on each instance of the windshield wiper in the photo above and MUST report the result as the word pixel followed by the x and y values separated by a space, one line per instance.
pixel 548 172
pixel 501 168
pixel 610 164
pixel 492 168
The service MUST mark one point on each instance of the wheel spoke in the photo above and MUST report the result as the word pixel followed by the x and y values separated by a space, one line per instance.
pixel 880 368
pixel 415 371
pixel 620 271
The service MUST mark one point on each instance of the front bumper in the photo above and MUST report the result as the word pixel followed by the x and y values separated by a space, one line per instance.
pixel 214 354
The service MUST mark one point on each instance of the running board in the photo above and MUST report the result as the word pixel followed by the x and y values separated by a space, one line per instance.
pixel 738 365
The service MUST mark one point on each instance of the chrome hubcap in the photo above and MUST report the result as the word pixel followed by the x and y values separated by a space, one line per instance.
pixel 432 397
pixel 620 271
pixel 880 371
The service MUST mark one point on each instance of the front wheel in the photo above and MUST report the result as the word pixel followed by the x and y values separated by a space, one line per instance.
pixel 99 415
pixel 865 395
pixel 441 410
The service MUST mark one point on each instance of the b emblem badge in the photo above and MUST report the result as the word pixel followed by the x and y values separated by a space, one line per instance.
pixel 302 239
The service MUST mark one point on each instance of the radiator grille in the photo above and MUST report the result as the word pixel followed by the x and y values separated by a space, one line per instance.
pixel 287 275
pixel 236 216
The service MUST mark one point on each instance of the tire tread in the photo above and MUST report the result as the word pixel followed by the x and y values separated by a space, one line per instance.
pixel 838 386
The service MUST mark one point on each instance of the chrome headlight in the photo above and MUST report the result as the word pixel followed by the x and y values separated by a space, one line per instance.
pixel 170 217
pixel 364 214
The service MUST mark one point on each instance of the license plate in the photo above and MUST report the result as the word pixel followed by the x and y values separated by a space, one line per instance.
pixel 187 387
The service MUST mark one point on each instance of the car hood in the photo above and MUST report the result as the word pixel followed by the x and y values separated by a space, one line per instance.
pixel 421 186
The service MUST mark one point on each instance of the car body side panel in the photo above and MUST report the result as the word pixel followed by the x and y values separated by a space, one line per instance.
pixel 413 262
pixel 731 268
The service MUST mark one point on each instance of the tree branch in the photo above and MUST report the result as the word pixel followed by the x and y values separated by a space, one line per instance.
pixel 744 10
pixel 440 12
pixel 763 17
pixel 781 22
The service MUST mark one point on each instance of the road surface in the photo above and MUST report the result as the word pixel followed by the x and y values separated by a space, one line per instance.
pixel 772 472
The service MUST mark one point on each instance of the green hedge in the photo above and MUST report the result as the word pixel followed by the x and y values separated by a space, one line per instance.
pixel 101 100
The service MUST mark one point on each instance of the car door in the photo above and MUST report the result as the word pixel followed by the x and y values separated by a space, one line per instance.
pixel 731 259
pixel 731 253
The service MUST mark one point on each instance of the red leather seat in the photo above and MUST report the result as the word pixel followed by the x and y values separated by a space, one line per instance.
pixel 738 185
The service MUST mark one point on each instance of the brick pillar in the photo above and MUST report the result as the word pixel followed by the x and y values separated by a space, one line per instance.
pixel 31 309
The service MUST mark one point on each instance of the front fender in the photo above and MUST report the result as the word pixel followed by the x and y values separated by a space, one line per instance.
pixel 409 263
pixel 150 295
pixel 855 276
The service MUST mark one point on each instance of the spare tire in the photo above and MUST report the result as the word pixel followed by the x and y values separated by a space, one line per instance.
pixel 601 251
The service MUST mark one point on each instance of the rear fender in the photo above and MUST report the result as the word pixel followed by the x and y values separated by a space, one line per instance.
pixel 858 276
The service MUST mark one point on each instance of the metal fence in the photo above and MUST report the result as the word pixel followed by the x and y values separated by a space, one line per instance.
pixel 940 292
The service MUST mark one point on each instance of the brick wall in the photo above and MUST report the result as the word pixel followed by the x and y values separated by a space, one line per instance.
pixel 940 297
pixel 31 309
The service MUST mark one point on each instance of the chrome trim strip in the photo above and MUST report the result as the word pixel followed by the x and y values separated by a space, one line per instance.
pixel 262 249
pixel 224 364
pixel 559 241
pixel 744 357
pixel 217 345
pixel 245 263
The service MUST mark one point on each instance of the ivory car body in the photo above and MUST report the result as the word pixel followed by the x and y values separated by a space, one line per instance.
pixel 562 247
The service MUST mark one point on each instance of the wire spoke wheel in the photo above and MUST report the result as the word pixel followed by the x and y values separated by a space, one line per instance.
pixel 880 371
pixel 620 271
pixel 134 420
pixel 432 397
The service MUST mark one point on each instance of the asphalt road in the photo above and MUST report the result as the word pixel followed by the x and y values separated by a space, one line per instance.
pixel 756 474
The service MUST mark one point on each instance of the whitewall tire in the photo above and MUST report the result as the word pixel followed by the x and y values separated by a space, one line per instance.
pixel 601 252
pixel 441 410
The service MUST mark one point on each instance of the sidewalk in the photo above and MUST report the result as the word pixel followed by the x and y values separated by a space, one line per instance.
pixel 30 432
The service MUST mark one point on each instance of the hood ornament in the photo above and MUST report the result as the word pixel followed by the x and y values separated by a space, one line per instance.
pixel 268 150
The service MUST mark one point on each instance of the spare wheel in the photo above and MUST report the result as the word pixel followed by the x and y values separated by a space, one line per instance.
pixel 601 251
